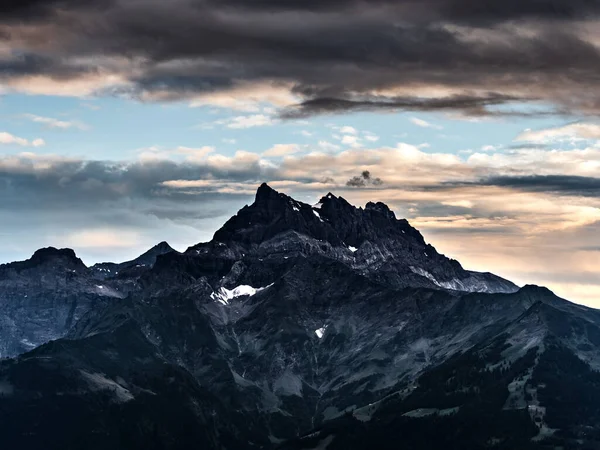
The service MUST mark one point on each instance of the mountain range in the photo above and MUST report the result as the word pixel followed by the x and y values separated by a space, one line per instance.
pixel 297 326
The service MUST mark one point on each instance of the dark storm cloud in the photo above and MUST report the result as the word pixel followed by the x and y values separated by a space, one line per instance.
pixel 363 180
pixel 464 10
pixel 33 10
pixel 473 106
pixel 338 55
pixel 554 184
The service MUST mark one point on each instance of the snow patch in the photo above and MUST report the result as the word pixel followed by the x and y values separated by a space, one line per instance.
pixel 318 205
pixel 352 249
pixel 28 343
pixel 223 295
pixel 320 332
pixel 317 214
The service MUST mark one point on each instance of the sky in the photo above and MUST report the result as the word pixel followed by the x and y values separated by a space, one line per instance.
pixel 124 123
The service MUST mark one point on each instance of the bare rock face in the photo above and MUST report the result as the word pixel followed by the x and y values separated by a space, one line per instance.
pixel 297 326
pixel 370 240
pixel 43 297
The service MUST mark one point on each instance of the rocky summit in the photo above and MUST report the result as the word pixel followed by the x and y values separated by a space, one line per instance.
pixel 297 326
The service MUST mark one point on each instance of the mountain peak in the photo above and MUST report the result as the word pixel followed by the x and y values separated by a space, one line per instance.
pixel 382 208
pixel 53 256
pixel 265 193
pixel 48 253
pixel 337 203
pixel 148 258
pixel 163 247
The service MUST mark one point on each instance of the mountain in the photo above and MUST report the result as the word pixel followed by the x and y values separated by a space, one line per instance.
pixel 306 327
pixel 371 241
pixel 133 267
pixel 43 297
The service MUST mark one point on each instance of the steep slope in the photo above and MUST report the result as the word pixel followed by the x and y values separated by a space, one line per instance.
pixel 111 390
pixel 532 385
pixel 42 297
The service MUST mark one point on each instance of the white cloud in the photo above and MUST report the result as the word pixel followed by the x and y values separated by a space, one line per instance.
pixel 352 141
pixel 328 146
pixel 10 139
pixel 371 137
pixel 489 148
pixel 55 123
pixel 193 155
pixel 282 150
pixel 573 131
pixel 241 122
pixel 347 130
pixel 424 124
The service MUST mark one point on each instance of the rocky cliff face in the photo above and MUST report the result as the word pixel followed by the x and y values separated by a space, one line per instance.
pixel 370 240
pixel 324 326
pixel 43 297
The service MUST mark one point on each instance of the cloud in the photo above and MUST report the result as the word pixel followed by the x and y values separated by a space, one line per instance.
pixel 241 122
pixel 10 139
pixel 469 105
pixel 566 132
pixel 459 203
pixel 371 137
pixel 311 57
pixel 328 146
pixel 347 130
pixel 364 180
pixel 279 150
pixel 556 184
pixel 55 123
pixel 187 153
pixel 352 141
pixel 489 148
pixel 424 124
